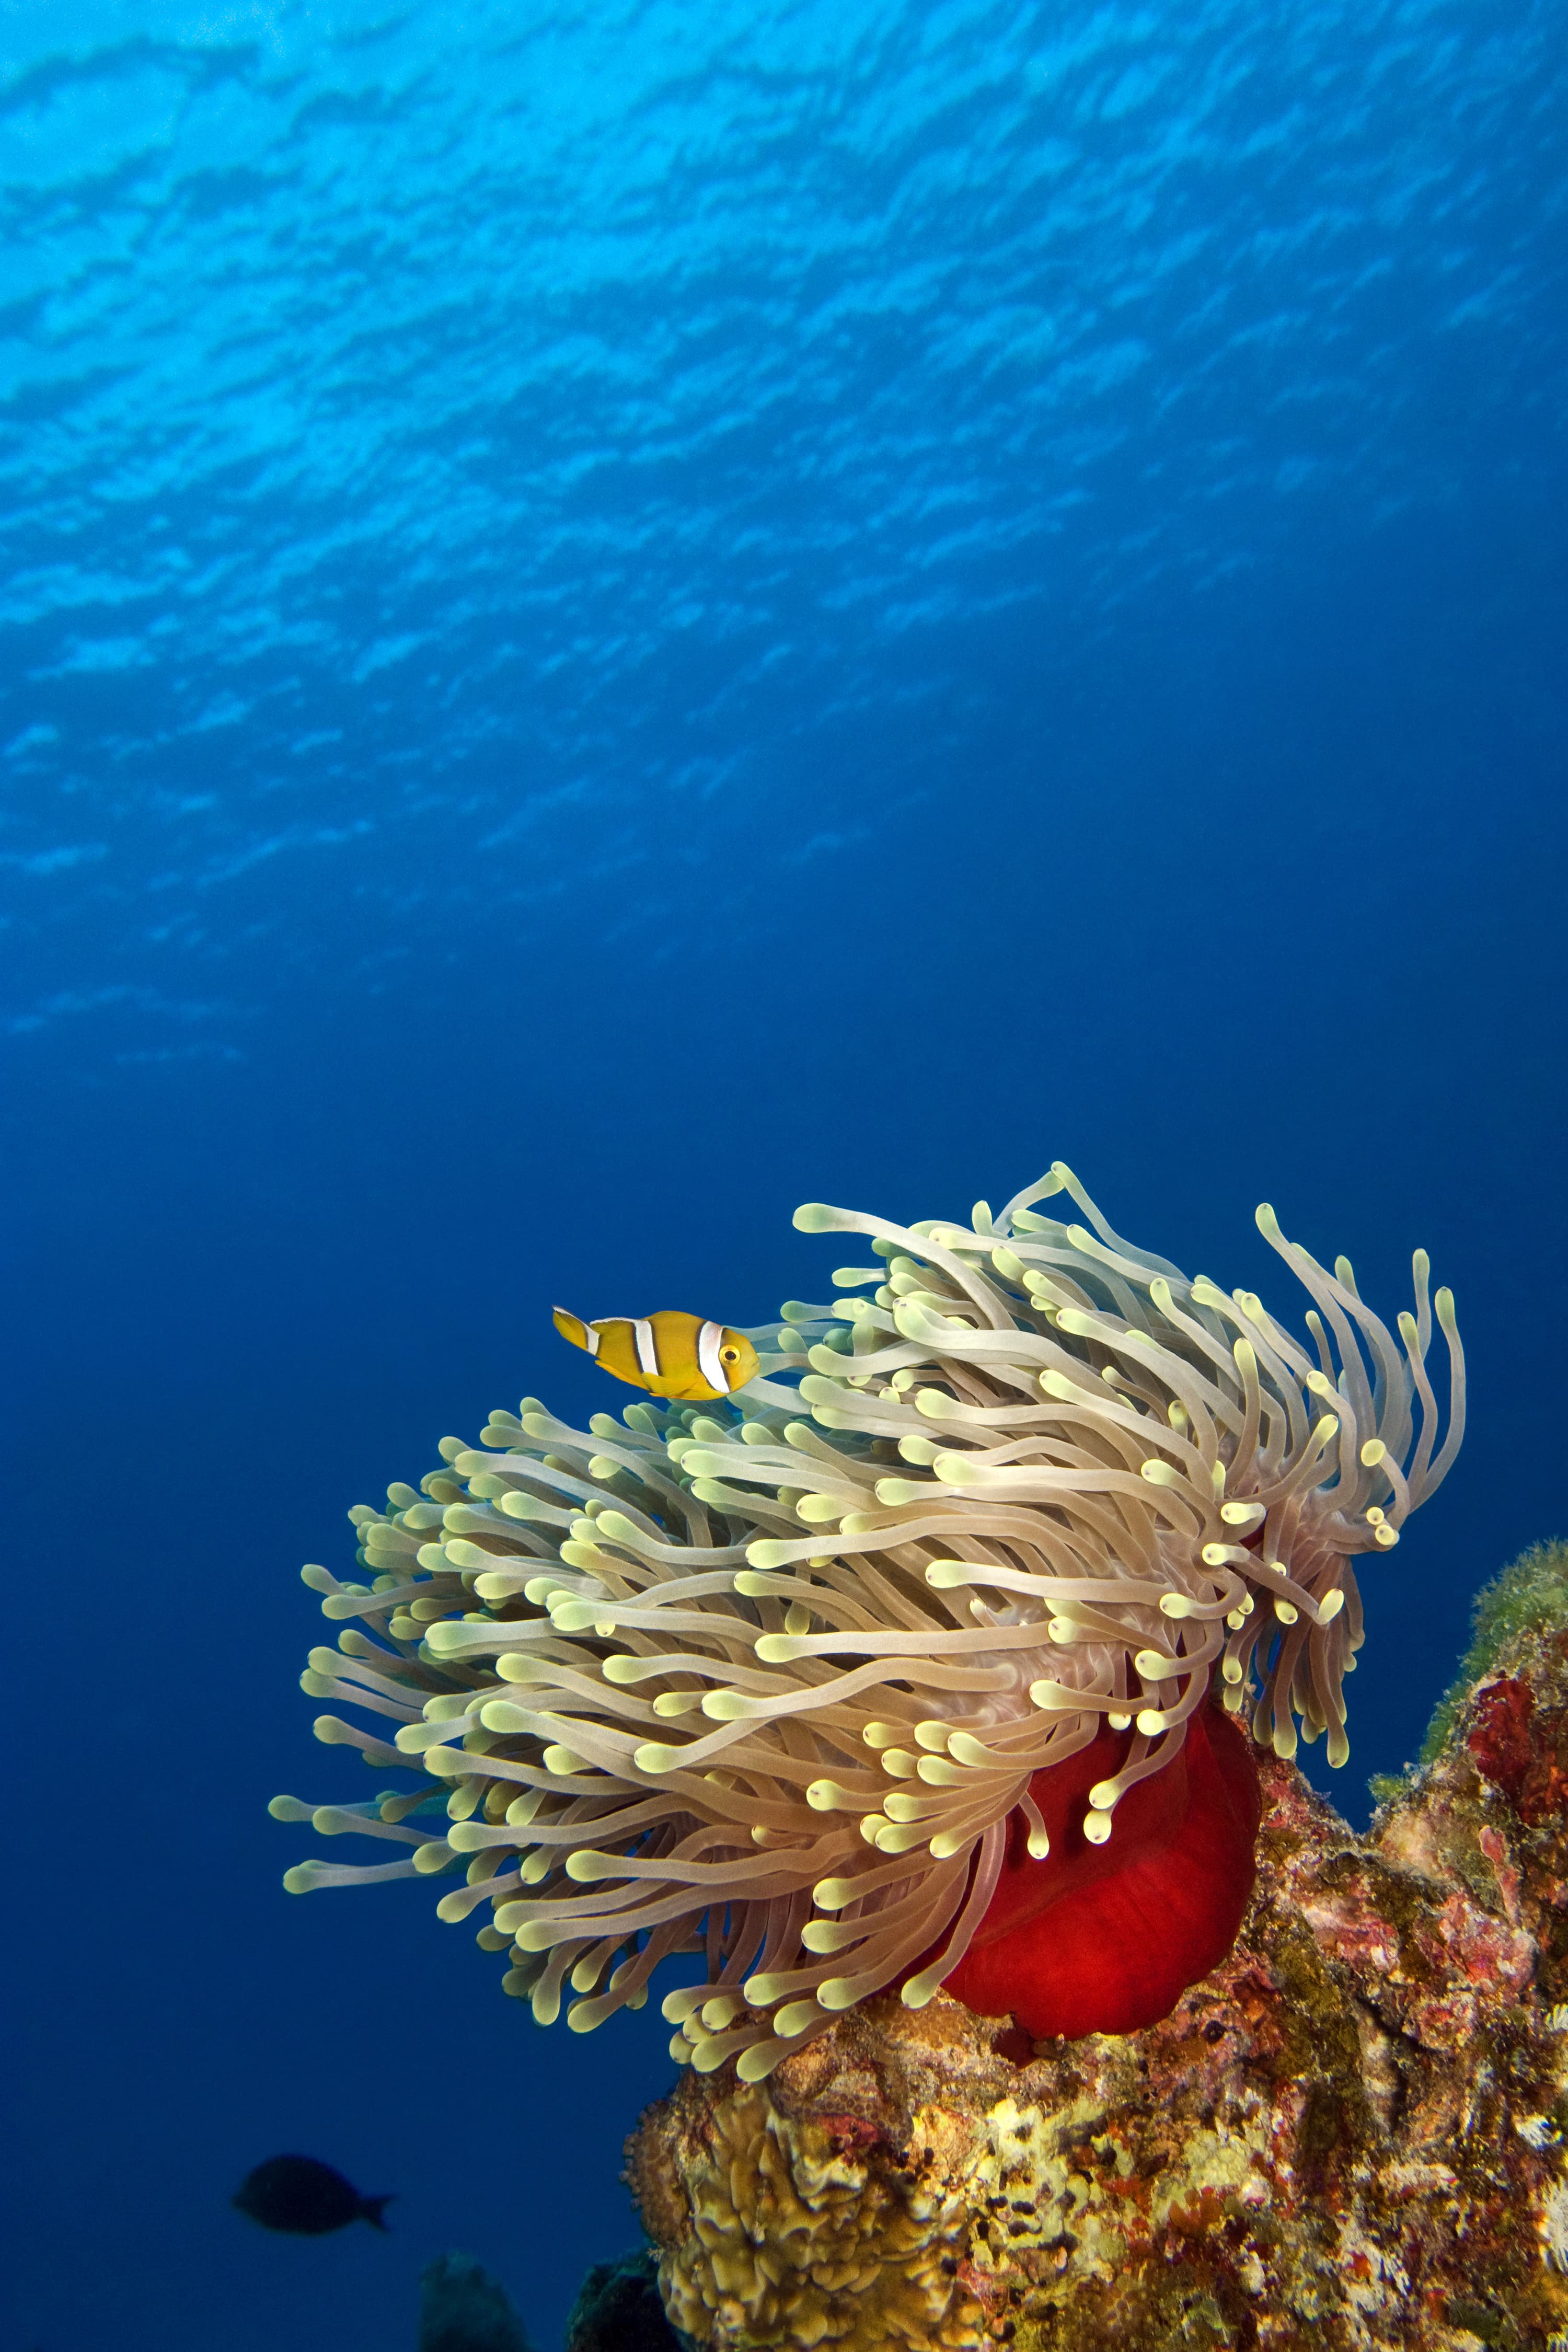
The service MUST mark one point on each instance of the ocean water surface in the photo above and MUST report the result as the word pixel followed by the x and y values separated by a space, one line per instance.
pixel 616 617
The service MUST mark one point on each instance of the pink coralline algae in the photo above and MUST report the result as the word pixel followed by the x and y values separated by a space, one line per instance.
pixel 1349 2135
pixel 1500 1737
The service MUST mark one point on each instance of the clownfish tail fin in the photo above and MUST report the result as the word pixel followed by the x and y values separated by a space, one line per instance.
pixel 572 1327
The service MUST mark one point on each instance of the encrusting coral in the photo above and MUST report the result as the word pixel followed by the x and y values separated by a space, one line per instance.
pixel 1350 2135
pixel 900 1668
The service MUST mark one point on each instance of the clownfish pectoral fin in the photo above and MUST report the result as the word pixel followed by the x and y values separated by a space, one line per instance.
pixel 572 1327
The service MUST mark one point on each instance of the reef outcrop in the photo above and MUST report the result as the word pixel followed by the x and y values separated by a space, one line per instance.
pixel 1350 2135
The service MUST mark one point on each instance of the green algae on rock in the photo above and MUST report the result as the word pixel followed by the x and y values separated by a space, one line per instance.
pixel 1349 2135
pixel 1527 1597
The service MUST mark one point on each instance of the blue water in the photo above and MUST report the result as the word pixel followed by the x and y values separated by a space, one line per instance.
pixel 615 617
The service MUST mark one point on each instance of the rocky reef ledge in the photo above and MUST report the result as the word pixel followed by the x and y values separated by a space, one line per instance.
pixel 1350 2135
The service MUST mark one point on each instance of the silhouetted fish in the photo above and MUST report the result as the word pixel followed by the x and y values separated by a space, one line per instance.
pixel 297 2193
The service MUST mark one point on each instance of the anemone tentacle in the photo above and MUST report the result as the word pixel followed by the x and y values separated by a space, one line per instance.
pixel 762 1681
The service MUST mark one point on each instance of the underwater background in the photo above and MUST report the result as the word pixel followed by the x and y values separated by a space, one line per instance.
pixel 617 616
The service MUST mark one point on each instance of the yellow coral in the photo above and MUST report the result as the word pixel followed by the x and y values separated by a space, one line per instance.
pixel 795 2242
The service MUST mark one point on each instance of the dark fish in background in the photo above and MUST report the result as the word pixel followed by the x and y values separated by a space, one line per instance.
pixel 298 2194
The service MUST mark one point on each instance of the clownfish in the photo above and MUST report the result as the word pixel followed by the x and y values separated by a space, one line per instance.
pixel 669 1354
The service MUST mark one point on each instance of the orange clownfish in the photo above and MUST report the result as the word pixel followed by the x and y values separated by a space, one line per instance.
pixel 669 1354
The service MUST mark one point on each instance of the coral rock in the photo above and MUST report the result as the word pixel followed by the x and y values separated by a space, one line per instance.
pixel 619 2309
pixel 1347 2135
pixel 463 2309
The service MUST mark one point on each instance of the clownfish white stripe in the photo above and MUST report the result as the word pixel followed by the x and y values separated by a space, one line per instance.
pixel 648 1351
pixel 589 1338
pixel 708 1360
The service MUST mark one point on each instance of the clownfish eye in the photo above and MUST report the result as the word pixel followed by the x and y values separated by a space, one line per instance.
pixel 730 1355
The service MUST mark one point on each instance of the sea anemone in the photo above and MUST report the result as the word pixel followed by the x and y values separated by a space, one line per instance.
pixel 881 1675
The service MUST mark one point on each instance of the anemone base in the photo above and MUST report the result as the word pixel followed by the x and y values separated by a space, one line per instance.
pixel 1106 1939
